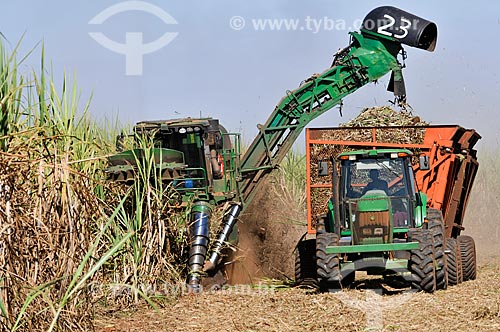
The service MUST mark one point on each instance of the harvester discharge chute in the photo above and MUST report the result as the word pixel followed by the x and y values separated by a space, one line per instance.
pixel 372 54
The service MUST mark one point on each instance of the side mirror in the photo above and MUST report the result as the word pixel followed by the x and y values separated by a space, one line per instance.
pixel 424 163
pixel 418 199
pixel 323 168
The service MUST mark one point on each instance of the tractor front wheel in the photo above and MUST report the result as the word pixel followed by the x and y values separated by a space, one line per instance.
pixel 305 264
pixel 421 263
pixel 328 265
pixel 435 225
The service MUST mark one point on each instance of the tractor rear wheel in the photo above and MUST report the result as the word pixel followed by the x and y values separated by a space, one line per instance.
pixel 436 226
pixel 454 262
pixel 421 263
pixel 468 253
pixel 328 265
pixel 305 264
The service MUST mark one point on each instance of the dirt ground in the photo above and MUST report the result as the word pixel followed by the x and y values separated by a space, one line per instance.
pixel 471 306
pixel 370 306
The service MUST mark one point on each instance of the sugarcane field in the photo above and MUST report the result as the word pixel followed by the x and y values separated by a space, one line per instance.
pixel 235 166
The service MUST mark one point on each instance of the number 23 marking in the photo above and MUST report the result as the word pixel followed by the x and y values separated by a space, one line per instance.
pixel 405 25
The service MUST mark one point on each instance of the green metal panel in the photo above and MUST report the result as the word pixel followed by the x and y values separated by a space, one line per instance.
pixel 331 214
pixel 161 156
pixel 421 211
pixel 396 264
pixel 360 248
pixel 346 233
pixel 374 203
pixel 388 264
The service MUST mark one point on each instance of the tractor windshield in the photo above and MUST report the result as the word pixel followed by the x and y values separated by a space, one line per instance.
pixel 368 175
pixel 376 184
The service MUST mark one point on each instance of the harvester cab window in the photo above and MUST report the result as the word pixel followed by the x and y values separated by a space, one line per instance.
pixel 191 145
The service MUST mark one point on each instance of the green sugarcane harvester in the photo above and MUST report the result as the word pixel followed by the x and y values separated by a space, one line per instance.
pixel 198 157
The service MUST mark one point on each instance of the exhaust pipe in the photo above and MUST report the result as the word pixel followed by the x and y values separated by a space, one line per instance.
pixel 200 218
pixel 230 220
pixel 216 170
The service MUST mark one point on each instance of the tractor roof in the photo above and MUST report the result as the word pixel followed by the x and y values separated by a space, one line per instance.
pixel 376 153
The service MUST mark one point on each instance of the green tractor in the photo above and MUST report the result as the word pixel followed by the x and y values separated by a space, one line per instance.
pixel 376 222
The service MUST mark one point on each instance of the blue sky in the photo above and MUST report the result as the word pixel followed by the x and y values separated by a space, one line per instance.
pixel 238 76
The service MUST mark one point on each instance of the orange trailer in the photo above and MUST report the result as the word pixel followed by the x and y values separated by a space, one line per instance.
pixel 452 164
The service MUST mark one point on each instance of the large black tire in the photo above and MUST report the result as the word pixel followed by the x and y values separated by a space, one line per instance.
pixel 468 252
pixel 328 265
pixel 454 262
pixel 321 224
pixel 436 226
pixel 305 264
pixel 421 263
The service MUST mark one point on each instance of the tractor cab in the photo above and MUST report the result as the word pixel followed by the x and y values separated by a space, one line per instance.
pixel 377 195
